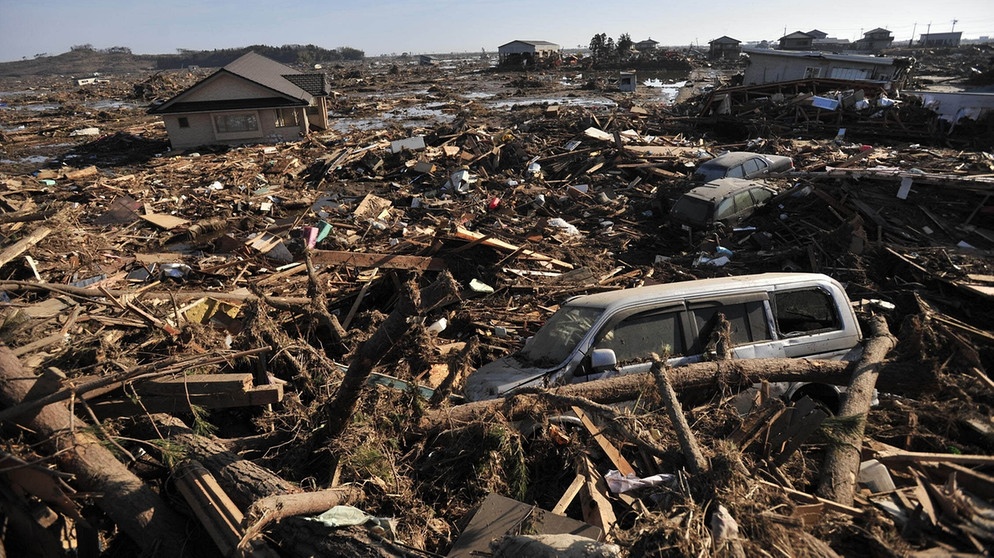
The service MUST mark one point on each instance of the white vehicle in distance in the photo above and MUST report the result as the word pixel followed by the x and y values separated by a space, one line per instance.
pixel 772 315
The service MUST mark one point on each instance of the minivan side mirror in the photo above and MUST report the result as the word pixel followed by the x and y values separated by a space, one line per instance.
pixel 603 360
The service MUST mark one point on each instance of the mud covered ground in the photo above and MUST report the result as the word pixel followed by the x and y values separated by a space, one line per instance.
pixel 110 287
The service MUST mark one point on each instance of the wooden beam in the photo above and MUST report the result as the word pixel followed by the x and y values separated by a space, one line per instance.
pixel 568 496
pixel 470 236
pixel 619 461
pixel 370 260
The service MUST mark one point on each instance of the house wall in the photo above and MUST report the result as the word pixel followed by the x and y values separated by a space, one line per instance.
pixel 224 87
pixel 202 131
pixel 770 69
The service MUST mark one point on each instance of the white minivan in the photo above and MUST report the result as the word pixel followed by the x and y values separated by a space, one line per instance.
pixel 772 315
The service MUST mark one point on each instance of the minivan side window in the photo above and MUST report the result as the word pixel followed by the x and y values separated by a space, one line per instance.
pixel 747 321
pixel 636 337
pixel 805 311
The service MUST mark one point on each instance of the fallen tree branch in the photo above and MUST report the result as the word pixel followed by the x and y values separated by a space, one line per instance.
pixel 688 442
pixel 133 506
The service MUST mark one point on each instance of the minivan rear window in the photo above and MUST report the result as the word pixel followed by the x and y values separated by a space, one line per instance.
pixel 692 210
pixel 805 311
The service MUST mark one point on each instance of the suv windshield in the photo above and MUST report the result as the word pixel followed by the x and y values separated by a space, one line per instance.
pixel 559 336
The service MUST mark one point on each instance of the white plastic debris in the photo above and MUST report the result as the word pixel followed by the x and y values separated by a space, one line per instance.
pixel 619 483
pixel 563 226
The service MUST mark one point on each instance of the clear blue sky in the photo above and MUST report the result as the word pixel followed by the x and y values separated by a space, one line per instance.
pixel 31 27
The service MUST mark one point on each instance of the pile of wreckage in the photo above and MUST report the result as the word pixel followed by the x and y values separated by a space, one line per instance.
pixel 259 350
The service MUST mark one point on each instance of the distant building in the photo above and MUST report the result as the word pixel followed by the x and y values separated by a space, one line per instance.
pixel 647 45
pixel 426 60
pixel 525 53
pixel 875 40
pixel 724 47
pixel 627 81
pixel 798 40
pixel 940 39
pixel 772 66
pixel 251 100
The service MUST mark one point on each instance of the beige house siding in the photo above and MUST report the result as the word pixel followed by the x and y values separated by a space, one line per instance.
pixel 203 130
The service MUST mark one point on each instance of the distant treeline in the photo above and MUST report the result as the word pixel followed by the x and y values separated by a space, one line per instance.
pixel 291 55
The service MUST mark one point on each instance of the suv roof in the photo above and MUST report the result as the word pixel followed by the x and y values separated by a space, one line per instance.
pixel 712 286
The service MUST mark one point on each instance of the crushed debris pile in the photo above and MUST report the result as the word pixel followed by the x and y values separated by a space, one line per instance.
pixel 265 345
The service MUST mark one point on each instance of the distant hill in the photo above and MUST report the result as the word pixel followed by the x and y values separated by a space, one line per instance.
pixel 82 62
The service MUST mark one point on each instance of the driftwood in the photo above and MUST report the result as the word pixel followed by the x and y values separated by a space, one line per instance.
pixel 136 509
pixel 841 465
pixel 411 303
pixel 734 373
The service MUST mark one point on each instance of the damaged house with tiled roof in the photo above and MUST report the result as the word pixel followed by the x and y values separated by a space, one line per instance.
pixel 251 100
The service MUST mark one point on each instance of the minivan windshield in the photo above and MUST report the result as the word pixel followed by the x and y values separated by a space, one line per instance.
pixel 559 336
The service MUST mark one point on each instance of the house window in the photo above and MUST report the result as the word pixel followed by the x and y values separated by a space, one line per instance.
pixel 238 122
pixel 810 72
pixel 184 122
pixel 286 117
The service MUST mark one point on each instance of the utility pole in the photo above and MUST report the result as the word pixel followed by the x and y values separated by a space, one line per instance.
pixel 911 41
pixel 954 25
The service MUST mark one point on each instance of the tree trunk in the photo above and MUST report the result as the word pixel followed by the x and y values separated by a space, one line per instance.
pixel 734 373
pixel 136 509
pixel 390 331
pixel 841 465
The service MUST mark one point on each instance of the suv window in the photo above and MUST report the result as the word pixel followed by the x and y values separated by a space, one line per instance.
pixel 804 311
pixel 636 337
pixel 747 321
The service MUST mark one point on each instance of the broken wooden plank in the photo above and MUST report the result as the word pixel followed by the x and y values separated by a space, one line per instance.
pixel 15 250
pixel 571 491
pixel 470 236
pixel 927 457
pixel 370 260
pixel 619 461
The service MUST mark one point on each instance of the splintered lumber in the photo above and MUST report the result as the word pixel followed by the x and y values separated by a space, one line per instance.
pixel 925 457
pixel 22 245
pixel 133 506
pixel 597 510
pixel 688 442
pixel 618 460
pixel 470 236
pixel 842 458
pixel 214 509
pixel 370 260
pixel 733 373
